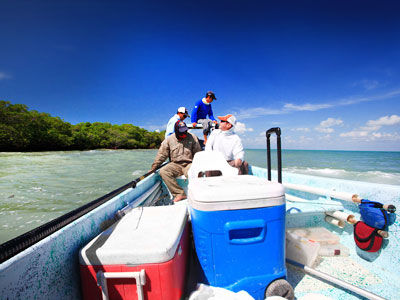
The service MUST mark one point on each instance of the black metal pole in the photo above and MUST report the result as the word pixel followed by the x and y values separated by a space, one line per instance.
pixel 279 150
pixel 277 131
pixel 269 157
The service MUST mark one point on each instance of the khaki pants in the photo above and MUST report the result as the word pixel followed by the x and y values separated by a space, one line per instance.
pixel 169 173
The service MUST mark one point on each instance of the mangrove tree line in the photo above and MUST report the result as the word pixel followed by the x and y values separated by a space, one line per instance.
pixel 22 129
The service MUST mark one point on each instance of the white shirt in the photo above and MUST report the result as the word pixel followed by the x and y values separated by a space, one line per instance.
pixel 171 125
pixel 227 142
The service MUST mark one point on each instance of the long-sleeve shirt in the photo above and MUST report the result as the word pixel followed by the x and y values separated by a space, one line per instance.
pixel 201 110
pixel 180 152
pixel 171 125
pixel 227 142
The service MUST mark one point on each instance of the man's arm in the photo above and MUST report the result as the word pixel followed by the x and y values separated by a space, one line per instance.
pixel 211 115
pixel 193 117
pixel 237 151
pixel 210 141
pixel 196 145
pixel 170 127
pixel 162 155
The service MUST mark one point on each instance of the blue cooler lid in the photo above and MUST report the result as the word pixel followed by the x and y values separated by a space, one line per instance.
pixel 234 192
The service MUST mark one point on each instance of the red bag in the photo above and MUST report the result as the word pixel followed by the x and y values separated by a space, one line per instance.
pixel 367 237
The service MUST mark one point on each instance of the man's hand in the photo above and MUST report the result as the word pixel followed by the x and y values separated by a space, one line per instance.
pixel 238 162
pixel 194 124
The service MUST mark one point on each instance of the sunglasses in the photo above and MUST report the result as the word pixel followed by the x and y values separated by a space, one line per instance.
pixel 224 121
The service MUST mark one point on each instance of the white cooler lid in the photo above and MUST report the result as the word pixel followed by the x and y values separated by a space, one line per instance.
pixel 145 235
pixel 234 192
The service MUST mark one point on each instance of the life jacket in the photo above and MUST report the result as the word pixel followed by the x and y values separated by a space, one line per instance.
pixel 367 237
pixel 373 214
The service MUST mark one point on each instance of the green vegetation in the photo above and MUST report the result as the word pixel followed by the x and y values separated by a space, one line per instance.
pixel 28 130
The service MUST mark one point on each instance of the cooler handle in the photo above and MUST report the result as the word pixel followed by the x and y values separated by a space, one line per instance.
pixel 245 232
pixel 139 276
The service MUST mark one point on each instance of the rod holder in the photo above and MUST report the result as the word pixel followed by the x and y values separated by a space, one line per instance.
pixel 268 133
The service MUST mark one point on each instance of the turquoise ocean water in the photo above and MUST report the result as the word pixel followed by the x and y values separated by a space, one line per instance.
pixel 38 187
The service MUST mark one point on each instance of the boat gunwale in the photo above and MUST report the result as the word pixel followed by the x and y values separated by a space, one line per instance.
pixel 22 242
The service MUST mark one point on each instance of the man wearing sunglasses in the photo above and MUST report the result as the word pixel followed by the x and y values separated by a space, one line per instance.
pixel 226 141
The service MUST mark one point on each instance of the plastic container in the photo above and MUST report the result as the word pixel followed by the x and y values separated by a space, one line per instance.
pixel 238 227
pixel 333 250
pixel 317 234
pixel 300 249
pixel 143 256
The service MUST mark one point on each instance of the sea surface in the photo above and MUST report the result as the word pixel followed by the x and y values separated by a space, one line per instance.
pixel 36 187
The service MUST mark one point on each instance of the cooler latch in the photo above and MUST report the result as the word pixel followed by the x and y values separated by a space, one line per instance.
pixel 139 276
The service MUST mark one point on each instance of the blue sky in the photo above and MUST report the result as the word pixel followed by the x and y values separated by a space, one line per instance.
pixel 326 72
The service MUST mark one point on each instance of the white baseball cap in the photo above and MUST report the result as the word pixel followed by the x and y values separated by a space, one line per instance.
pixel 228 118
pixel 183 110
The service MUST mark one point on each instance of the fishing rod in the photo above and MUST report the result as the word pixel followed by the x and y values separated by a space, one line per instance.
pixel 333 194
pixel 24 241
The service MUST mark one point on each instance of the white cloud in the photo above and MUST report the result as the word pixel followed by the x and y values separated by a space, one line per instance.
pixel 304 129
pixel 241 128
pixel 4 75
pixel 254 141
pixel 306 107
pixel 155 128
pixel 290 107
pixel 369 132
pixel 325 137
pixel 326 125
pixel 331 122
pixel 386 120
pixel 255 112
pixel 371 136
pixel 370 128
pixel 355 134
pixel 324 130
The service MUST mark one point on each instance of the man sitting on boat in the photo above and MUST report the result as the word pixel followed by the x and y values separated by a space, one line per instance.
pixel 180 148
pixel 181 115
pixel 201 109
pixel 226 141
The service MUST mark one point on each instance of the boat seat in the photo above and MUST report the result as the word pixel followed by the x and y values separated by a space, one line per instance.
pixel 210 163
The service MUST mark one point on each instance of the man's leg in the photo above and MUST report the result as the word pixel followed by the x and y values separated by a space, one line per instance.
pixel 169 173
pixel 206 128
pixel 186 170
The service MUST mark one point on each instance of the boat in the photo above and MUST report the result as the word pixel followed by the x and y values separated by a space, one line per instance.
pixel 320 215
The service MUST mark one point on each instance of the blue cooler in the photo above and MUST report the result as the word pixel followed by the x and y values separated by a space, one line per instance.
pixel 239 231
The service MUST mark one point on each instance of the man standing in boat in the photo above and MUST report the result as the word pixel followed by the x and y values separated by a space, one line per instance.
pixel 180 149
pixel 181 115
pixel 201 110
pixel 226 141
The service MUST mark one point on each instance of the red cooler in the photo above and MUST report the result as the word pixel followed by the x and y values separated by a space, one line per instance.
pixel 143 256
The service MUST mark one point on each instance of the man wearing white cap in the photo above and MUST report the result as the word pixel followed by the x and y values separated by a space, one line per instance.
pixel 226 141
pixel 181 115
